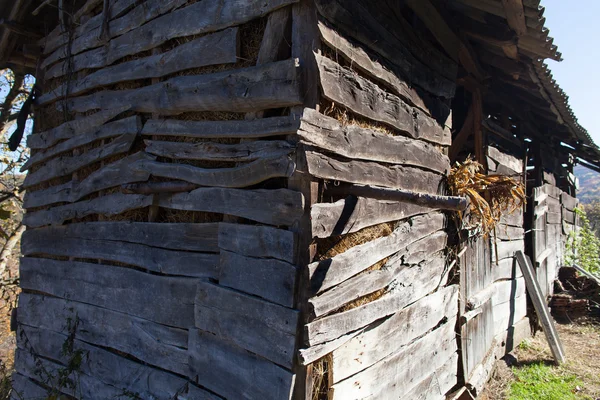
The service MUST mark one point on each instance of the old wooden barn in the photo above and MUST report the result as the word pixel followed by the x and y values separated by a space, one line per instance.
pixel 204 197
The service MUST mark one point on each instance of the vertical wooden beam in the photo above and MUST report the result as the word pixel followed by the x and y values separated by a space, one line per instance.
pixel 515 14
pixel 305 43
pixel 477 128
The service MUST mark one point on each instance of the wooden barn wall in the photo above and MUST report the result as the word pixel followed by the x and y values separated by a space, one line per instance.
pixel 382 310
pixel 162 226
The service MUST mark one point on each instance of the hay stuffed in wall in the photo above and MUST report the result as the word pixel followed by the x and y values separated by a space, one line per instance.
pixel 491 196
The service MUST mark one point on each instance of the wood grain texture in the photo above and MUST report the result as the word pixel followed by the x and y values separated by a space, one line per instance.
pixel 66 165
pixel 257 241
pixel 245 151
pixel 417 281
pixel 272 207
pixel 152 343
pixel 438 384
pixel 356 142
pixel 112 204
pixel 513 163
pixel 24 388
pixel 569 202
pixel 76 127
pixel 216 48
pixel 353 214
pixel 198 18
pixel 119 289
pixel 273 280
pixel 272 85
pixel 330 272
pixel 243 129
pixel 266 329
pixel 232 372
pixel 349 89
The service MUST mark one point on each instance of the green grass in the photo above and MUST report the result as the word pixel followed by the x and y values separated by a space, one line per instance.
pixel 542 382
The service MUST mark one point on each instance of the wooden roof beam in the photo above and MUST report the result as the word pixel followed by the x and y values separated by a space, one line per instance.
pixel 515 14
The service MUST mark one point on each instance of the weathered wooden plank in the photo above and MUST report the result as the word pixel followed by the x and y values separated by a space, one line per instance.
pixel 387 337
pixel 397 373
pixel 197 18
pixel 24 388
pixel 217 48
pixel 111 369
pixel 353 214
pixel 376 36
pixel 272 85
pixel 114 174
pixel 553 217
pixel 347 88
pixel 507 291
pixel 170 262
pixel 236 177
pixel 421 250
pixel 369 144
pixel 263 127
pixel 370 65
pixel 66 165
pixel 258 326
pixel 438 384
pixel 506 249
pixel 245 151
pixel 513 219
pixel 508 313
pixel 506 269
pixel 273 207
pixel 152 343
pixel 274 40
pixel 124 126
pixel 507 232
pixel 541 309
pixel 116 27
pixel 112 204
pixel 136 293
pixel 257 241
pixel 175 236
pixel 235 373
pixel 76 127
pixel 569 202
pixel 550 190
pixel 328 273
pixel 370 173
pixel 552 203
pixel 271 279
pixel 513 163
pixel 568 216
pixel 417 281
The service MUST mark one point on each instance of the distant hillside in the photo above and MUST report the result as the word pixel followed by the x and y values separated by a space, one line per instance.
pixel 589 184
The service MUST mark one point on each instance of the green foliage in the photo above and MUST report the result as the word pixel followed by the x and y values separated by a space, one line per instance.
pixel 542 382
pixel 583 246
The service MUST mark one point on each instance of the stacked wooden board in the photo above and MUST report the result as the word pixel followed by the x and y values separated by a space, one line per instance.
pixel 161 241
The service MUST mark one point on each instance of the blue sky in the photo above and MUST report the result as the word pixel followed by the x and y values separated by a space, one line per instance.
pixel 574 26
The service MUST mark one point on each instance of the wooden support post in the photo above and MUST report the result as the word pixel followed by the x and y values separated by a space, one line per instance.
pixel 541 309
pixel 515 14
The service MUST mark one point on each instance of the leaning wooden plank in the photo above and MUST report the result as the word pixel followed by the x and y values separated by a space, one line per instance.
pixel 76 127
pixel 396 374
pixel 117 128
pixel 386 337
pixel 163 261
pixel 236 177
pixel 417 281
pixel 438 384
pixel 370 173
pixel 257 241
pixel 245 151
pixel 368 144
pixel 271 279
pixel 235 373
pixel 165 300
pixel 243 129
pixel 132 20
pixel 272 85
pixel 511 162
pixel 330 272
pixel 24 388
pixel 535 293
pixel 218 48
pixel 353 214
pixel 370 65
pixel 66 165
pixel 112 204
pixel 587 273
pixel 569 202
pixel 118 173
pixel 198 18
pixel 273 207
pixel 347 88
pixel 109 368
pixel 263 328
pixel 159 345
